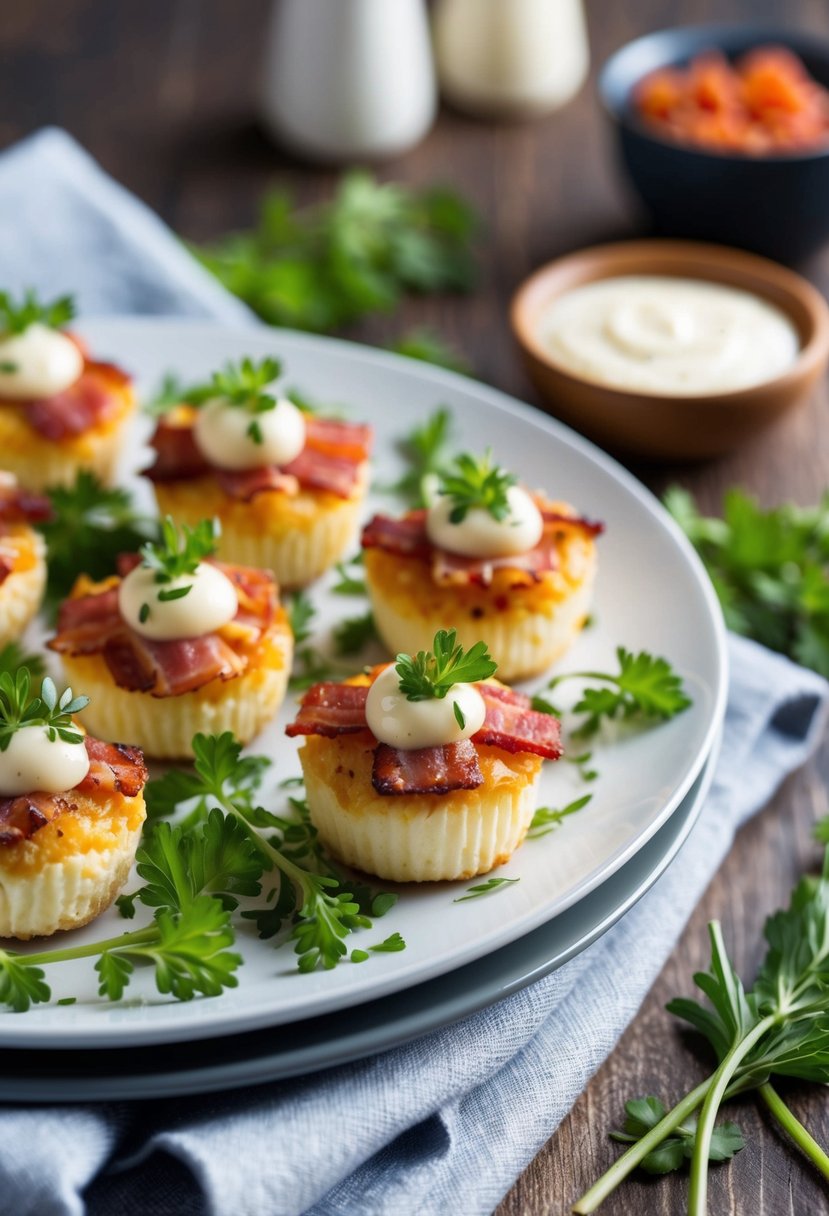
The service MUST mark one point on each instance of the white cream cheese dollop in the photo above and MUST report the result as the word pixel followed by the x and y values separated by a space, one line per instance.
pixel 222 434
pixel 33 761
pixel 480 534
pixel 405 724
pixel 678 337
pixel 39 362
pixel 210 603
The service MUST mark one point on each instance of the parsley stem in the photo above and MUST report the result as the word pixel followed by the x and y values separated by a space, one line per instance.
pixel 637 1152
pixel 138 937
pixel 791 1124
pixel 719 1083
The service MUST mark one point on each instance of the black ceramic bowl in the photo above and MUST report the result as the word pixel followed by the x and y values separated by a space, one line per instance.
pixel 777 205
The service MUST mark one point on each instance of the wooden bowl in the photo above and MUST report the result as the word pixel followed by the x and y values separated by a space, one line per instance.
pixel 665 427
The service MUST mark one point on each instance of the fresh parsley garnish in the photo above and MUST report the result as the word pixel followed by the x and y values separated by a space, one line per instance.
pixel 643 1114
pixel 485 888
pixel 19 707
pixel 430 674
pixel 170 392
pixel 644 686
pixel 475 482
pixel 178 553
pixel 241 384
pixel 770 570
pixel 778 1028
pixel 347 581
pixel 426 452
pixel 90 525
pixel 354 633
pixel 301 613
pixel 547 818
pixel 328 265
pixel 17 316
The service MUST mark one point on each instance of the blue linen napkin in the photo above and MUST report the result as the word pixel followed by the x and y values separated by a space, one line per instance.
pixel 445 1123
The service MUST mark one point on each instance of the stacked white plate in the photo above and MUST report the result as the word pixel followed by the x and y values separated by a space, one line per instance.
pixel 652 594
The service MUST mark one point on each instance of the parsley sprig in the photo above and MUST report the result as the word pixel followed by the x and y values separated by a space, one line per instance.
pixel 645 686
pixel 426 453
pixel 90 525
pixel 176 554
pixel 475 482
pixel 770 570
pixel 430 674
pixel 779 1028
pixel 17 316
pixel 643 1114
pixel 240 384
pixel 19 707
pixel 326 266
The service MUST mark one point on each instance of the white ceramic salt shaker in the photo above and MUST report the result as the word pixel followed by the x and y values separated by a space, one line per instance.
pixel 515 58
pixel 349 79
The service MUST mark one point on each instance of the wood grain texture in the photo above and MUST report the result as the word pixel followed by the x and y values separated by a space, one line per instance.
pixel 164 94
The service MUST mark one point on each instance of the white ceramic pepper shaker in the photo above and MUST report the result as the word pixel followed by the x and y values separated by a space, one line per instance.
pixel 349 79
pixel 515 58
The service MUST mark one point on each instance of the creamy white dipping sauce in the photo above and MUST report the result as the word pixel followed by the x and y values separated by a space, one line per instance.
pixel 33 762
pixel 39 362
pixel 672 336
pixel 209 603
pixel 480 534
pixel 392 718
pixel 224 434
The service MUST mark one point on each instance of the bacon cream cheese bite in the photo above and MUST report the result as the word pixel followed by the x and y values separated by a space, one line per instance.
pixel 177 644
pixel 60 411
pixel 424 770
pixel 286 485
pixel 22 557
pixel 489 558
pixel 71 812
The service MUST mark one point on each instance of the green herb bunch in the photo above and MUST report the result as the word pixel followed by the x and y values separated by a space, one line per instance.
pixel 329 265
pixel 20 707
pixel 17 316
pixel 475 482
pixel 770 570
pixel 778 1029
pixel 430 674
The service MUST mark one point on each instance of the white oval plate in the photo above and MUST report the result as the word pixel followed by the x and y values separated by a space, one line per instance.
pixel 652 594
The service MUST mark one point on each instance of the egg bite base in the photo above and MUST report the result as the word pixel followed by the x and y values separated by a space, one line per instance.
pixel 164 727
pixel 296 536
pixel 38 462
pixel 71 869
pixel 21 592
pixel 527 628
pixel 417 837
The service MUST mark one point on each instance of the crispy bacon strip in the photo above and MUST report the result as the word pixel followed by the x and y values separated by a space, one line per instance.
pixel 25 814
pixel 91 400
pixel 331 709
pixel 113 767
pixel 426 770
pixel 513 725
pixel 330 460
pixel 92 624
pixel 407 537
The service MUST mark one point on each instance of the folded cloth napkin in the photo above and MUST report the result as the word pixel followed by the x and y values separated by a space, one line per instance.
pixel 446 1123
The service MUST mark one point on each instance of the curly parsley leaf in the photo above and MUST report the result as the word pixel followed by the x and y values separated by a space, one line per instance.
pixel 90 525
pixel 353 634
pixel 430 674
pixel 476 483
pixel 426 451
pixel 17 316
pixel 326 266
pixel 645 686
pixel 22 984
pixel 770 569
pixel 179 550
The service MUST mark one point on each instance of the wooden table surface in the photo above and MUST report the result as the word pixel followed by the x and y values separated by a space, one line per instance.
pixel 163 94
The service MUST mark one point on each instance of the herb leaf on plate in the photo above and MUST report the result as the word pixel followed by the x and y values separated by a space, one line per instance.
pixel 645 686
